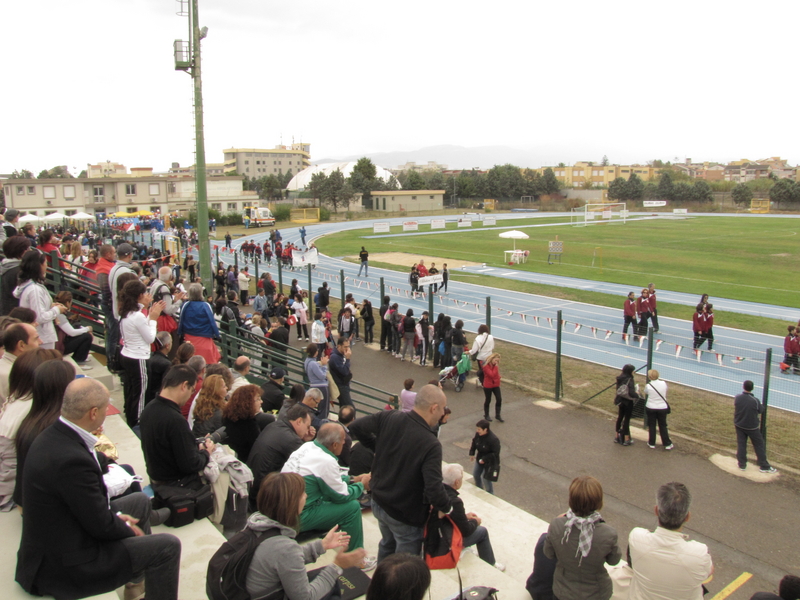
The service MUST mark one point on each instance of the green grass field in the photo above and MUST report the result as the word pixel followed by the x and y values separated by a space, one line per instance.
pixel 738 258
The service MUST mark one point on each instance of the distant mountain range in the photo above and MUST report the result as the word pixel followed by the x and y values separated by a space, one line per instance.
pixel 460 157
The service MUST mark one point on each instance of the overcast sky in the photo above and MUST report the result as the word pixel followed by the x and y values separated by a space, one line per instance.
pixel 90 80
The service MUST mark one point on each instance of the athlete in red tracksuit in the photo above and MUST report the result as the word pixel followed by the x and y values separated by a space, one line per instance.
pixel 702 325
pixel 791 346
pixel 629 311
pixel 653 310
pixel 697 325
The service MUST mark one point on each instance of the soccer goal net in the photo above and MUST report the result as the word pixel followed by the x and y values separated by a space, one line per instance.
pixel 606 212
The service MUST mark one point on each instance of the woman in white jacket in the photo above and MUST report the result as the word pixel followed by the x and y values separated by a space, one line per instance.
pixel 138 332
pixel 32 294
pixel 482 348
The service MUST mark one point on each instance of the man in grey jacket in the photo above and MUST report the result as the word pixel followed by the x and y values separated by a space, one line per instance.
pixel 746 410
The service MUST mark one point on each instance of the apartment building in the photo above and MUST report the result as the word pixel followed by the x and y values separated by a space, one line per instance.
pixel 582 173
pixel 259 162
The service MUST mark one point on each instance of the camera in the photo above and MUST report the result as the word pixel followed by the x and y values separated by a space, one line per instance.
pixel 218 437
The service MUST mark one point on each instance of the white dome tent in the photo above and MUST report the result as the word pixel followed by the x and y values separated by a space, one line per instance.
pixel 301 181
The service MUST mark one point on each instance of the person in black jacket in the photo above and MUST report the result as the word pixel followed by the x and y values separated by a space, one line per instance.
pixel 485 453
pixel 747 409
pixel 159 364
pixel 407 470
pixel 272 395
pixel 469 524
pixel 170 451
pixel 75 543
pixel 339 368
pixel 385 328
pixel 276 443
pixel 323 297
pixel 278 341
pixel 625 404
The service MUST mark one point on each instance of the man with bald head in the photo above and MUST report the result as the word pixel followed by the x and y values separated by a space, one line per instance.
pixel 332 499
pixel 75 542
pixel 406 471
pixel 240 371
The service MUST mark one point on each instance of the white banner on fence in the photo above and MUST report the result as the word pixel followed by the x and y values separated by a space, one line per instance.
pixel 652 203
pixel 380 228
pixel 437 223
pixel 680 211
pixel 465 222
pixel 427 280
pixel 309 257
pixel 606 214
pixel 490 220
pixel 410 226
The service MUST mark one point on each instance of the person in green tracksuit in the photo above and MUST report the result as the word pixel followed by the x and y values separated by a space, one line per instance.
pixel 332 497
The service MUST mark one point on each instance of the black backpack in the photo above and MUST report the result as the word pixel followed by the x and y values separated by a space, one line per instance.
pixel 227 570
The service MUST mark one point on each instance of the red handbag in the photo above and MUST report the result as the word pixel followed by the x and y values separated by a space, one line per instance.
pixel 291 320
pixel 443 542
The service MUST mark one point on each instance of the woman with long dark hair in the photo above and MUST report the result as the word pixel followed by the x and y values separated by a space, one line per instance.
pixel 32 294
pixel 77 340
pixel 50 381
pixel 138 332
pixel 13 412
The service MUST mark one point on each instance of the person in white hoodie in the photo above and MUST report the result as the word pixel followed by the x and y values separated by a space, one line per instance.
pixel 138 332
pixel 32 294
pixel 482 348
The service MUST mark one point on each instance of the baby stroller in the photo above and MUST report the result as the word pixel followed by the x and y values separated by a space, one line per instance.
pixel 457 372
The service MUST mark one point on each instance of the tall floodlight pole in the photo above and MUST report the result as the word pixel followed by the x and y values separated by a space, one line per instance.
pixel 182 62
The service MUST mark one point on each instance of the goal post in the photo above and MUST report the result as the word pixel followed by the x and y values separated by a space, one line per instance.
pixel 606 212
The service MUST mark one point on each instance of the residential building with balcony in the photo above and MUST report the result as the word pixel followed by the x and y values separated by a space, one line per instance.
pixel 259 162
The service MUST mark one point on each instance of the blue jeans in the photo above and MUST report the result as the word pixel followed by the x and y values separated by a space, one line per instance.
pixel 484 484
pixel 396 536
pixel 365 266
pixel 480 538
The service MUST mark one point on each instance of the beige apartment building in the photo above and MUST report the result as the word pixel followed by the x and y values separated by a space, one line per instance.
pixel 140 190
pixel 259 162
pixel 582 173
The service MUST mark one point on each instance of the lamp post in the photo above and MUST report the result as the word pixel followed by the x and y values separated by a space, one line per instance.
pixel 187 58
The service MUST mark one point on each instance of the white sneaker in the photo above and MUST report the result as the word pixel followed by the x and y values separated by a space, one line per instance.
pixel 499 566
pixel 370 562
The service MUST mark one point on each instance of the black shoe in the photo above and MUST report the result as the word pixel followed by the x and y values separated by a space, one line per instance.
pixel 488 418
pixel 499 418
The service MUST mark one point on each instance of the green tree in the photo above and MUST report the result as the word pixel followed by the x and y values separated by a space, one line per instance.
pixel 604 162
pixel 665 187
pixel 363 180
pixel 635 188
pixel 702 191
pixel 550 185
pixel 434 180
pixel 24 174
pixel 783 192
pixel 650 190
pixel 413 181
pixel 742 194
pixel 317 186
pixel 683 192
pixel 83 175
pixel 58 172
pixel 618 189
pixel 505 181
pixel 337 191
pixel 532 182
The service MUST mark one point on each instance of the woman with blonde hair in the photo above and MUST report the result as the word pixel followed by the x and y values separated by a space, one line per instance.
pixel 582 543
pixel 208 406
pixel 76 256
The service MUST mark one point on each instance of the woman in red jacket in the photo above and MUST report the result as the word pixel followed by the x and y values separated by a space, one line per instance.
pixel 491 385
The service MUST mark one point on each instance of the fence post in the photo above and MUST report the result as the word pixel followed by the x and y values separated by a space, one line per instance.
pixel 383 292
pixel 55 264
pixel 255 264
pixel 341 281
pixel 558 357
pixel 767 367
pixel 649 364
pixel 310 294
pixel 280 275
pixel 489 312
pixel 236 259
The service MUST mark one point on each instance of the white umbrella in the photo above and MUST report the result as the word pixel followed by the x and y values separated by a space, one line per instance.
pixel 29 219
pixel 82 216
pixel 515 235
pixel 56 216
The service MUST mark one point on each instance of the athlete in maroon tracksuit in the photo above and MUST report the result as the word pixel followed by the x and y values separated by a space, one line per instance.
pixel 629 311
pixel 702 325
pixel 653 311
pixel 643 308
pixel 790 345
